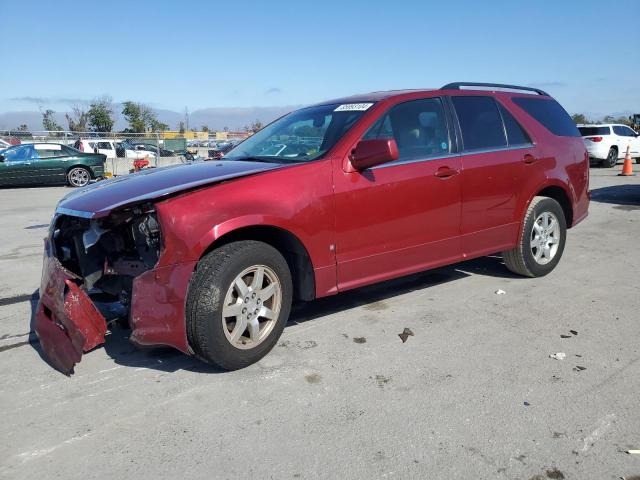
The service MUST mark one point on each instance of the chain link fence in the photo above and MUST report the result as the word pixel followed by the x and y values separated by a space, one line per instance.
pixel 126 152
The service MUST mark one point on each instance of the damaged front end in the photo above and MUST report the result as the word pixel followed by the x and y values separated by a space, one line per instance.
pixel 90 266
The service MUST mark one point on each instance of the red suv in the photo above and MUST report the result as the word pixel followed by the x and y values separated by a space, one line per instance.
pixel 208 257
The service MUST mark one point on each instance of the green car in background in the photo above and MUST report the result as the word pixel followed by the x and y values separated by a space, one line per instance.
pixel 49 163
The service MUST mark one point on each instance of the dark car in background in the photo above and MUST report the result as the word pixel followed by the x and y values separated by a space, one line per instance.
pixel 49 163
pixel 219 151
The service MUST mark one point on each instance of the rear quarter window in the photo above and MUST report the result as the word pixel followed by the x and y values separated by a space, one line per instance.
pixel 550 114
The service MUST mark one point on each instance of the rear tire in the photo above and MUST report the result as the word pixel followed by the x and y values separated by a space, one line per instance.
pixel 612 158
pixel 238 304
pixel 542 239
pixel 78 177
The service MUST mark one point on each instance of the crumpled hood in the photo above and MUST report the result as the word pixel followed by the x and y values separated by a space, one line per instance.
pixel 99 199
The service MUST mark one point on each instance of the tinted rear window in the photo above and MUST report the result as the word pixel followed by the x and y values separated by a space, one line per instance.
pixel 480 122
pixel 550 114
pixel 588 131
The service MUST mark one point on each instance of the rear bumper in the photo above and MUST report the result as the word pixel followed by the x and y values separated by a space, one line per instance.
pixel 597 151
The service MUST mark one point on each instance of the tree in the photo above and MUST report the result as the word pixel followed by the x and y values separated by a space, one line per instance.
pixel 48 121
pixel 158 126
pixel 254 127
pixel 135 115
pixel 22 128
pixel 77 122
pixel 99 114
pixel 579 118
pixel 141 117
pixel 205 128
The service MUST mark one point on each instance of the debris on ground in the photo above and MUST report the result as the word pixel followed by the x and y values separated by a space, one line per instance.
pixel 573 332
pixel 578 368
pixel 526 404
pixel 382 380
pixel 558 356
pixel 405 334
pixel 359 340
pixel 555 474
pixel 565 336
pixel 500 292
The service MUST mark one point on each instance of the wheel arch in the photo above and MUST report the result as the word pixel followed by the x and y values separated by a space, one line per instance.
pixel 560 194
pixel 288 244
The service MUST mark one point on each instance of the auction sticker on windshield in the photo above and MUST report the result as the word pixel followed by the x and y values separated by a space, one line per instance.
pixel 353 107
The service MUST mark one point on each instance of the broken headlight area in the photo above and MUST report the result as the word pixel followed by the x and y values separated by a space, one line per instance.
pixel 107 254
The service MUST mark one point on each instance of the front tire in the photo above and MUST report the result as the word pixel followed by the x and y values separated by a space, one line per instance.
pixel 238 304
pixel 542 239
pixel 612 158
pixel 78 177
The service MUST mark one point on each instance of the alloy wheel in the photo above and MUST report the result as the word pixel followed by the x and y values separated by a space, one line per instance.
pixel 79 177
pixel 545 238
pixel 251 306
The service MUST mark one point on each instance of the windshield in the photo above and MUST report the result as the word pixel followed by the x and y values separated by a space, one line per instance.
pixel 302 135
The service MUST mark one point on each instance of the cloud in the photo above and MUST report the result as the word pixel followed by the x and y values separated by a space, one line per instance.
pixel 71 101
pixel 36 100
pixel 273 90
pixel 548 84
pixel 49 100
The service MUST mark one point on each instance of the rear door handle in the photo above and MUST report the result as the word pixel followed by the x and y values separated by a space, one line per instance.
pixel 529 159
pixel 446 172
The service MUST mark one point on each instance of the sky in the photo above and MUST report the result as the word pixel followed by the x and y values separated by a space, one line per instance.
pixel 207 54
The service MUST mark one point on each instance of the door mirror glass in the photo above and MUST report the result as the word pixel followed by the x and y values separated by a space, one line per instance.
pixel 369 153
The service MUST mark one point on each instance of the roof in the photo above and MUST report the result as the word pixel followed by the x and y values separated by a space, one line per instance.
pixel 482 88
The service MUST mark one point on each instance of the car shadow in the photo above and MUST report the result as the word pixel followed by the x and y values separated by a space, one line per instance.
pixel 167 359
pixel 627 196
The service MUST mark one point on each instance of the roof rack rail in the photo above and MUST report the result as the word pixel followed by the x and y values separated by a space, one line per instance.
pixel 457 85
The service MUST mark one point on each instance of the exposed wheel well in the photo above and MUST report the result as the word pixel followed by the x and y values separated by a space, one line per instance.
pixel 560 196
pixel 288 245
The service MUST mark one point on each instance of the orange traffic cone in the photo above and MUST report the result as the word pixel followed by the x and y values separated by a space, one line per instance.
pixel 627 167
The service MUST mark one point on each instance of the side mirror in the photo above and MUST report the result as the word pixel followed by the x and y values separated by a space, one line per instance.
pixel 369 153
pixel 1 158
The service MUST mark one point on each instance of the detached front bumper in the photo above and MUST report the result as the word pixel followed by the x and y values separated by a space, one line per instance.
pixel 66 321
pixel 69 324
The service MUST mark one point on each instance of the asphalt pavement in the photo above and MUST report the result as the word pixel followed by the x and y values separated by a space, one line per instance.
pixel 473 393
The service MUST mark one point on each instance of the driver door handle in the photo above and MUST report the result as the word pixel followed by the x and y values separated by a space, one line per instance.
pixel 529 159
pixel 446 172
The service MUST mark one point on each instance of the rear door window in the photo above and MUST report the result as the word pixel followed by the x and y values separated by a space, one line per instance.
pixel 419 128
pixel 516 135
pixel 550 114
pixel 480 122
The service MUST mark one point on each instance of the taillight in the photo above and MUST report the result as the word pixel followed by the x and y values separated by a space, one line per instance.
pixel 595 139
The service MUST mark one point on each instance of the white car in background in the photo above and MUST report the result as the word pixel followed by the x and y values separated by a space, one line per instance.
pixel 608 142
pixel 110 149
